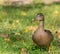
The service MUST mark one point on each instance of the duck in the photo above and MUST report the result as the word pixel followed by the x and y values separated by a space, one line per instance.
pixel 41 36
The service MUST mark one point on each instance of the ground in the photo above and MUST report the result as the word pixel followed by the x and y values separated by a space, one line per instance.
pixel 18 23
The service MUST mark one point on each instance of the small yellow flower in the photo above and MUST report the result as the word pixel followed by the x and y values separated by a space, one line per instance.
pixel 23 13
pixel 56 12
pixel 7 39
pixel 17 33
pixel 17 21
pixel 26 30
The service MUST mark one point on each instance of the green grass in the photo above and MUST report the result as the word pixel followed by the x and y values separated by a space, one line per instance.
pixel 8 25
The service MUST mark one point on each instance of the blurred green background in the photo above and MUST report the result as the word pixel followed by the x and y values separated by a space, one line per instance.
pixel 16 22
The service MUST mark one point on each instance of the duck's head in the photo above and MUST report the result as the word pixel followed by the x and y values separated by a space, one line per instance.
pixel 39 17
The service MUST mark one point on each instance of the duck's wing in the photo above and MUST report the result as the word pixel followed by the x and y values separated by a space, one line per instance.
pixel 50 34
pixel 48 31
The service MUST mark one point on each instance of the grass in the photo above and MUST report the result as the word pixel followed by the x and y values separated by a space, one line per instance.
pixel 17 21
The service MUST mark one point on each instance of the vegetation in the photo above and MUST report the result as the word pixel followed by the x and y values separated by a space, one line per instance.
pixel 18 23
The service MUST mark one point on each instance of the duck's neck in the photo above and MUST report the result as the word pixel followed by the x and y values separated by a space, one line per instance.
pixel 41 26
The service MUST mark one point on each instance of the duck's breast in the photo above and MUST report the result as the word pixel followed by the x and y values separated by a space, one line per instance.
pixel 42 37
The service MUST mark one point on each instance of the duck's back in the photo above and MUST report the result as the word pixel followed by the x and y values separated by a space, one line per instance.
pixel 42 38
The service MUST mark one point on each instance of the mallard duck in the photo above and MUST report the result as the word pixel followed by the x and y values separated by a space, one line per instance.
pixel 41 36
